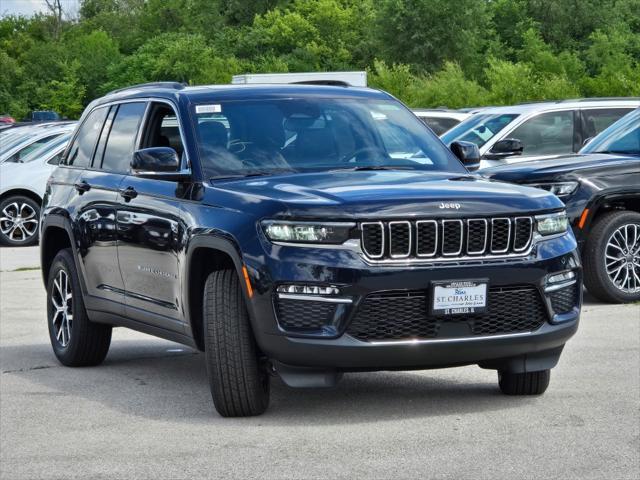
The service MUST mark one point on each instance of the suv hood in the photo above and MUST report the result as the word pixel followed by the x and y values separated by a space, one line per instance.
pixel 564 167
pixel 375 194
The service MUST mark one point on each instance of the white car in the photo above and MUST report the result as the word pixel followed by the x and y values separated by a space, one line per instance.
pixel 441 120
pixel 537 131
pixel 22 186
pixel 19 143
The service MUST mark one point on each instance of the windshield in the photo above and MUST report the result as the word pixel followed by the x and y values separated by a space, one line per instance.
pixel 44 116
pixel 42 150
pixel 263 137
pixel 621 137
pixel 479 128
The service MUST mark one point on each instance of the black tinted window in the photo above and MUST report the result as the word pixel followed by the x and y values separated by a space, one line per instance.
pixel 81 150
pixel 122 137
pixel 439 125
pixel 546 134
pixel 596 120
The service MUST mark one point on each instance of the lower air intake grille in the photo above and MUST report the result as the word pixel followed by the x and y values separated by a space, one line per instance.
pixel 563 300
pixel 304 314
pixel 403 315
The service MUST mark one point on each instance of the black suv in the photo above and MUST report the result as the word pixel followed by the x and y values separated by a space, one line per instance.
pixel 601 189
pixel 300 230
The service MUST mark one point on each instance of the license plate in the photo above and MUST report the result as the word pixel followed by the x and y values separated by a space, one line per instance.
pixel 459 297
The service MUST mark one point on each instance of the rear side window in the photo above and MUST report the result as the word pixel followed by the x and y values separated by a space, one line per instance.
pixel 596 120
pixel 546 134
pixel 83 145
pixel 122 137
pixel 439 125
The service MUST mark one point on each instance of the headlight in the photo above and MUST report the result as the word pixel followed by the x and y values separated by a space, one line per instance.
pixel 561 189
pixel 552 224
pixel 307 232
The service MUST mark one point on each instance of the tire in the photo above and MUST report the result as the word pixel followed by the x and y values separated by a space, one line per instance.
pixel 599 283
pixel 530 383
pixel 84 343
pixel 238 379
pixel 19 221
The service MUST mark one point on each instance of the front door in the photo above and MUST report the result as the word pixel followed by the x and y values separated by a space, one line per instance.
pixel 150 231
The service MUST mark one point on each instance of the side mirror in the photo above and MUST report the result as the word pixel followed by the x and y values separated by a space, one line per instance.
pixel 468 154
pixel 161 163
pixel 507 147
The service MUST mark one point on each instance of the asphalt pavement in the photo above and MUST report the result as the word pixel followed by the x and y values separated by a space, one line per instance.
pixel 147 412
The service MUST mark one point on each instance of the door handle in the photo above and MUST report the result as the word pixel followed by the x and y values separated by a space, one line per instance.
pixel 82 186
pixel 128 193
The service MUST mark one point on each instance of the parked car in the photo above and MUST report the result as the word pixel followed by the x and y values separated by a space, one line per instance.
pixel 601 189
pixel 22 186
pixel 42 116
pixel 24 140
pixel 299 230
pixel 538 130
pixel 8 119
pixel 440 120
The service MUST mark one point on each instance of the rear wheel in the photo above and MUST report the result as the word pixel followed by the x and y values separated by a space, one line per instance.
pixel 611 257
pixel 76 341
pixel 237 374
pixel 19 219
pixel 529 383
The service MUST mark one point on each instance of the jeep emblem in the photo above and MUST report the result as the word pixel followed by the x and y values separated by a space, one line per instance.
pixel 449 205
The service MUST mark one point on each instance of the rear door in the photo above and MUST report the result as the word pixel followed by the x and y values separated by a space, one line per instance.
pixel 92 205
pixel 595 120
pixel 149 231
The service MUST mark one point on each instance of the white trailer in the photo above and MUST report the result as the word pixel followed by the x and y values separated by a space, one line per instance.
pixel 353 79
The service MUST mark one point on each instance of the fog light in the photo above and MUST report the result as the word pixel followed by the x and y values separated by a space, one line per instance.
pixel 561 277
pixel 308 290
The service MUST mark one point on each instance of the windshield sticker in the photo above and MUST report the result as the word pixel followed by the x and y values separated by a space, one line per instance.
pixel 214 108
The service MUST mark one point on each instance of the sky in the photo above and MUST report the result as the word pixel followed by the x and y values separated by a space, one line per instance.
pixel 29 7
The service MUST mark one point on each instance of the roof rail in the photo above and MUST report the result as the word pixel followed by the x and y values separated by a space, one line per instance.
pixel 171 85
pixel 599 99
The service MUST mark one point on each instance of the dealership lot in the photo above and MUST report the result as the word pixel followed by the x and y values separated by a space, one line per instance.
pixel 146 412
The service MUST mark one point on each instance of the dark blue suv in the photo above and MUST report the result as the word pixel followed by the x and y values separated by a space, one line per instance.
pixel 303 231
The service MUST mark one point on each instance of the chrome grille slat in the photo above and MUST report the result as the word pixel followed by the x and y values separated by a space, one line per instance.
pixel 446 239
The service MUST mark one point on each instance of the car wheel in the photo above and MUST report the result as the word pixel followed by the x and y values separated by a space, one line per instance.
pixel 19 219
pixel 238 379
pixel 76 341
pixel 611 257
pixel 529 383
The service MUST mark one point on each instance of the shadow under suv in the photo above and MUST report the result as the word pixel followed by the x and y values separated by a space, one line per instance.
pixel 302 231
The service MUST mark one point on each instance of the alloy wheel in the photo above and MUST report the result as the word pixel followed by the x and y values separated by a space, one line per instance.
pixel 62 301
pixel 19 222
pixel 622 258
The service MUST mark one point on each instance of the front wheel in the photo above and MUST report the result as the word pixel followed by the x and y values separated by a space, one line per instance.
pixel 237 374
pixel 19 219
pixel 611 257
pixel 528 383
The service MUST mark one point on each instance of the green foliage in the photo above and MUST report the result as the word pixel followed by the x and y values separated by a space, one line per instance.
pixel 428 53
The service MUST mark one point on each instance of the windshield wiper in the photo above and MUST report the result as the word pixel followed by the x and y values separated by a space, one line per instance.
pixel 619 152
pixel 365 168
pixel 236 176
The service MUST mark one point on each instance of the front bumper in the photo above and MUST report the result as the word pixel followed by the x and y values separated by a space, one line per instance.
pixel 335 349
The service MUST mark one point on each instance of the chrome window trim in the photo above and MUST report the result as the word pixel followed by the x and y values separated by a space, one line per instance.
pixel 504 250
pixel 461 223
pixel 515 233
pixel 486 235
pixel 400 222
pixel 381 226
pixel 435 246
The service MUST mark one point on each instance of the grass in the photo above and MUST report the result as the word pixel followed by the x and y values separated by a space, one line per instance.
pixel 25 269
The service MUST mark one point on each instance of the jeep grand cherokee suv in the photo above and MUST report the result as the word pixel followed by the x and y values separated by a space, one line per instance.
pixel 303 231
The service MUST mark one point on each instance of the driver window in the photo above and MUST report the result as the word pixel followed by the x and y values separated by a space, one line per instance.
pixel 162 129
pixel 546 134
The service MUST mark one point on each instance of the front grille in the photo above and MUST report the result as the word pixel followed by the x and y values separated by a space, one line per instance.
pixel 304 314
pixel 404 315
pixel 446 238
pixel 563 300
